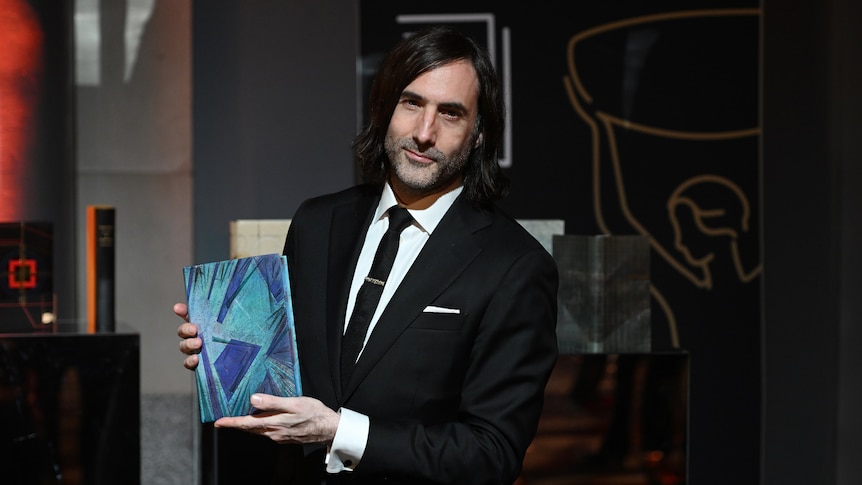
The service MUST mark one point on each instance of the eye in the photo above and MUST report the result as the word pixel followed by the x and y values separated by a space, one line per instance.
pixel 451 115
pixel 410 103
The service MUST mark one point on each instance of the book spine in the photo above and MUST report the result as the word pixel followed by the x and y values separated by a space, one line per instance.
pixel 101 274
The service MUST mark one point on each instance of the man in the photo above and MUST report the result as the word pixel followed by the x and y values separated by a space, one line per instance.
pixel 448 386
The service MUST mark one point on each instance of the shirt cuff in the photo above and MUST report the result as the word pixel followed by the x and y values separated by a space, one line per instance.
pixel 349 443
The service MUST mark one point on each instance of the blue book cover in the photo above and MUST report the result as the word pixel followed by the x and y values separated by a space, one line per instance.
pixel 242 308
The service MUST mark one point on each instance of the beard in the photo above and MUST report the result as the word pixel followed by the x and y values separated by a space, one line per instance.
pixel 425 177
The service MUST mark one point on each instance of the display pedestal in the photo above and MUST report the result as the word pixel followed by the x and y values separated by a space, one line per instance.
pixel 70 408
pixel 613 418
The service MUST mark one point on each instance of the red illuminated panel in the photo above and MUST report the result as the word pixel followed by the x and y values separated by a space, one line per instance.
pixel 20 72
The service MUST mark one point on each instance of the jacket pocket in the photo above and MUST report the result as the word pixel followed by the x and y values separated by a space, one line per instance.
pixel 439 321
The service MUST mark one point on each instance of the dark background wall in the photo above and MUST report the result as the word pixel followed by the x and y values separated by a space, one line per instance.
pixel 275 98
pixel 811 227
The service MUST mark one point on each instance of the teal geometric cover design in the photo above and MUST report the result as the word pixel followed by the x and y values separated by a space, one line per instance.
pixel 242 308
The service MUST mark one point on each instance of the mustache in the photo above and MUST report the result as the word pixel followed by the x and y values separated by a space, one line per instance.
pixel 432 153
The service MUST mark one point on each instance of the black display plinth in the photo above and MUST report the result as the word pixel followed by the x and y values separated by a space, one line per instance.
pixel 70 409
pixel 613 418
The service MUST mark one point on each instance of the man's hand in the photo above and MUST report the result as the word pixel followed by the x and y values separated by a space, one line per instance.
pixel 188 332
pixel 287 419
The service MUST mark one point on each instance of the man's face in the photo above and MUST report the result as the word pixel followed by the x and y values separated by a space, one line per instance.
pixel 430 134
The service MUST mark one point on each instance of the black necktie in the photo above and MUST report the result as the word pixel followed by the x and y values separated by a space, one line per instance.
pixel 369 293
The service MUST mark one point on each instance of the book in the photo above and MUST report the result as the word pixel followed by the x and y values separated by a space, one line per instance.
pixel 101 282
pixel 242 308
pixel 604 294
pixel 250 237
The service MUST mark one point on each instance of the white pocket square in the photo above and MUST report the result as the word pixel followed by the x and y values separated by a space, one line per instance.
pixel 440 309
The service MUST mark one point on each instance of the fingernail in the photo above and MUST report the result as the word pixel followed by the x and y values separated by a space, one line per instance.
pixel 255 400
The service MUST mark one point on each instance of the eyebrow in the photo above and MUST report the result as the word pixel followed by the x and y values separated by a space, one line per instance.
pixel 453 106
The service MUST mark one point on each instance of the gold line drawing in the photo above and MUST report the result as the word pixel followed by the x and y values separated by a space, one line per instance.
pixel 731 222
pixel 712 222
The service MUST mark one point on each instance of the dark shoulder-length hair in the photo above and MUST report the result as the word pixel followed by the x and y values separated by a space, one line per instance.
pixel 484 180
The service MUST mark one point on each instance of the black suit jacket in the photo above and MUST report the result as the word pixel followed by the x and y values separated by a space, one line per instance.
pixel 452 398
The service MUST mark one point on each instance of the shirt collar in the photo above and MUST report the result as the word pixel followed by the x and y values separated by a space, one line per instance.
pixel 426 219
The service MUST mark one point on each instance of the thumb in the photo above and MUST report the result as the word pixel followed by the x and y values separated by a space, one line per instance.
pixel 266 402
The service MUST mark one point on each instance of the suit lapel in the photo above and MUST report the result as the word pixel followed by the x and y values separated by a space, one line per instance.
pixel 348 226
pixel 447 253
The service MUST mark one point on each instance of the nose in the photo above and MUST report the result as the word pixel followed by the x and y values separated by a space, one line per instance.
pixel 425 132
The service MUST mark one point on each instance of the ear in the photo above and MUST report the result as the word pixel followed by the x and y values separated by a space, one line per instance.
pixel 478 141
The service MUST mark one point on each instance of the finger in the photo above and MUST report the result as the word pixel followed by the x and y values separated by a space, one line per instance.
pixel 227 423
pixel 187 330
pixel 182 311
pixel 267 402
pixel 246 423
pixel 191 362
pixel 191 346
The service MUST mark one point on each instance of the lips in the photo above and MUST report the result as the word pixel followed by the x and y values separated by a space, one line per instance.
pixel 419 158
